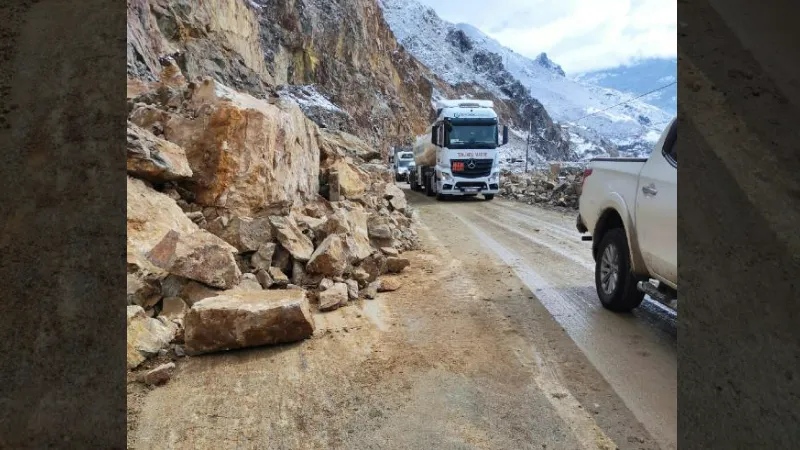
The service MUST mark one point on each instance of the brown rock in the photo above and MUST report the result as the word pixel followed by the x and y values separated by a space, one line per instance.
pixel 173 308
pixel 262 258
pixel 396 264
pixel 292 238
pixel 329 258
pixel 238 319
pixel 389 285
pixel 390 251
pixel 333 297
pixel 142 291
pixel 199 256
pixel 153 158
pixel 325 284
pixel 193 292
pixel 282 259
pixel 352 181
pixel 146 336
pixel 244 233
pixel 160 375
pixel 162 240
pixel 249 283
pixel 396 197
pixel 264 278
pixel 246 153
pixel 374 265
pixel 278 277
pixel 361 276
pixel 352 289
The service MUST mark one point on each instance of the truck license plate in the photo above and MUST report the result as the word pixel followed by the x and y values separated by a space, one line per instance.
pixel 470 189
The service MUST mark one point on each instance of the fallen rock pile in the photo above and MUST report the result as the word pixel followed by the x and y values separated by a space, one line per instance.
pixel 241 214
pixel 557 187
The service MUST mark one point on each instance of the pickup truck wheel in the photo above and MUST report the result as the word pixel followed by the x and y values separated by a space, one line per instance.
pixel 615 283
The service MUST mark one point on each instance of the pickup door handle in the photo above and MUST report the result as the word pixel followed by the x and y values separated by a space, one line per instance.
pixel 650 189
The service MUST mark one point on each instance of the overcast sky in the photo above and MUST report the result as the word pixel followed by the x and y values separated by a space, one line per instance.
pixel 580 35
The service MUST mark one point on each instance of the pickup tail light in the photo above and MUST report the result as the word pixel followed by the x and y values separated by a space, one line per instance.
pixel 586 174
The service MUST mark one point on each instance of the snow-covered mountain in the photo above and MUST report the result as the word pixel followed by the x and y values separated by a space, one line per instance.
pixel 463 54
pixel 640 77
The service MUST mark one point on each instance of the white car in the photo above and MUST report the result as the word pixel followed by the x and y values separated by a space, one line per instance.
pixel 629 205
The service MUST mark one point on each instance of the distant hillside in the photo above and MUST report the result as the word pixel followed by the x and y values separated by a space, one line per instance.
pixel 639 78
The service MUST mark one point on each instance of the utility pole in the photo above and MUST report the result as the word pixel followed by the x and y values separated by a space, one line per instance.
pixel 527 146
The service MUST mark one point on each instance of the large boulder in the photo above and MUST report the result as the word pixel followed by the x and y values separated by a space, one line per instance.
pixel 247 155
pixel 153 158
pixel 292 238
pixel 329 258
pixel 146 336
pixel 238 319
pixel 162 240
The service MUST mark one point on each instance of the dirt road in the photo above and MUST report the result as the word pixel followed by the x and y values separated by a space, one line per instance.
pixel 494 341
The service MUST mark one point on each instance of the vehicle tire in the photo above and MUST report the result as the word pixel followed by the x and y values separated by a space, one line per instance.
pixel 441 197
pixel 429 186
pixel 488 197
pixel 613 279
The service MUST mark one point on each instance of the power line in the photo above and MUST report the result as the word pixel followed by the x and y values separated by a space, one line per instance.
pixel 627 101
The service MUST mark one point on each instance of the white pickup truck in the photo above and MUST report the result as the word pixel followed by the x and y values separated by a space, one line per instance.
pixel 629 205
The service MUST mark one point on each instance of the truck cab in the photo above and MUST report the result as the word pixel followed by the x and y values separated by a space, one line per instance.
pixel 466 141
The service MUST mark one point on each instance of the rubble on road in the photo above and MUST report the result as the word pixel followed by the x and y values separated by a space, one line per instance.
pixel 230 226
pixel 158 376
pixel 557 187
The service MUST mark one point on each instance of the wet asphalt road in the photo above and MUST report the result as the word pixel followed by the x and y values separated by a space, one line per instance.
pixel 636 353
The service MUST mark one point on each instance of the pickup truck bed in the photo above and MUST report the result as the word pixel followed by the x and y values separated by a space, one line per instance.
pixel 629 205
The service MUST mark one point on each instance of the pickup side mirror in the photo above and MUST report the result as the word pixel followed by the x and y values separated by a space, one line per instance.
pixel 434 132
pixel 505 134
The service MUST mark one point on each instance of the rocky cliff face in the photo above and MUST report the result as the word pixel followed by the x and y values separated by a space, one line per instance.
pixel 344 49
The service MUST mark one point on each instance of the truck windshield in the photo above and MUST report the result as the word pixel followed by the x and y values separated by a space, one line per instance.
pixel 471 135
pixel 404 163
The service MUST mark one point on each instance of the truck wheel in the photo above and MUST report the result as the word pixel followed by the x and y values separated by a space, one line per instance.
pixel 613 279
pixel 488 197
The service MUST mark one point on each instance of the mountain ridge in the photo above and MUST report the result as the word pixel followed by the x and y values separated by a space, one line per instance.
pixel 461 54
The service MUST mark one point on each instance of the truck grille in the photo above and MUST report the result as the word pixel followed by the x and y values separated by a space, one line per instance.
pixel 470 184
pixel 480 167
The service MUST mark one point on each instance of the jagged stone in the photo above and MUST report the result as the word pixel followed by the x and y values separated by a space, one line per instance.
pixel 146 336
pixel 333 297
pixel 153 158
pixel 292 238
pixel 329 258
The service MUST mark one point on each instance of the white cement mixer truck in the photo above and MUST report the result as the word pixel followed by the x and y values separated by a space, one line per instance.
pixel 459 157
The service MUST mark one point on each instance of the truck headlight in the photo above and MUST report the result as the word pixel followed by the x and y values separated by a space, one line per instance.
pixel 495 176
pixel 444 176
